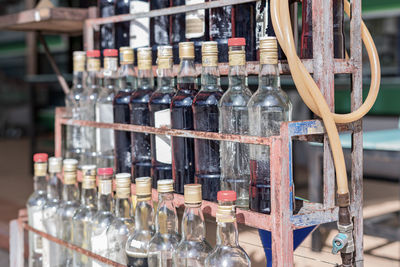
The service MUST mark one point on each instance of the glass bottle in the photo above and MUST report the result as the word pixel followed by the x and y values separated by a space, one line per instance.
pixel 245 26
pixel 54 187
pixel 122 29
pixel 193 247
pixel 73 102
pixel 234 119
pixel 222 22
pixel 267 111
pixel 104 110
pixel 107 31
pixel 205 118
pixel 339 48
pixel 83 217
pixel 104 215
pixel 160 116
pixel 92 92
pixel 139 29
pixel 177 27
pixel 306 48
pixel 138 242
pixel 182 118
pixel 227 252
pixel 122 224
pixel 68 207
pixel 35 205
pixel 127 84
pixel 140 115
pixel 166 238
pixel 159 27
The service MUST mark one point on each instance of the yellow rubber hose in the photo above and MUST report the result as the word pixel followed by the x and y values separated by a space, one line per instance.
pixel 311 94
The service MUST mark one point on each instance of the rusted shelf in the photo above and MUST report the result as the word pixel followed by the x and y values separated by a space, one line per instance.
pixel 58 20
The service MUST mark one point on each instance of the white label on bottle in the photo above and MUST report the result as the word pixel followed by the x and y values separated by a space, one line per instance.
pixel 99 246
pixel 46 251
pixel 195 25
pixel 162 118
pixel 104 137
pixel 38 224
pixel 139 30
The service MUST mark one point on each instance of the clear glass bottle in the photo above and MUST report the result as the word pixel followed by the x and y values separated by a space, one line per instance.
pixel 35 205
pixel 160 116
pixel 93 86
pixel 73 102
pixel 138 242
pixel 166 238
pixel 103 217
pixel 227 252
pixel 68 207
pixel 127 85
pixel 182 118
pixel 205 118
pixel 54 188
pixel 234 119
pixel 140 115
pixel 84 215
pixel 267 111
pixel 104 110
pixel 122 224
pixel 193 247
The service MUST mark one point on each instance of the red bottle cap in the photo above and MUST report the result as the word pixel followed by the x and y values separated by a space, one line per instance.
pixel 240 41
pixel 105 171
pixel 110 52
pixel 40 157
pixel 93 53
pixel 226 196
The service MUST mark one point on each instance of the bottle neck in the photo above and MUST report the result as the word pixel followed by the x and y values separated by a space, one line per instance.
pixel 54 186
pixel 187 71
pixel 93 80
pixel 110 81
pixel 210 79
pixel 166 217
pixel 268 78
pixel 165 80
pixel 123 208
pixel 227 234
pixel 144 214
pixel 145 79
pixel 89 197
pixel 127 78
pixel 193 226
pixel 104 202
pixel 237 77
pixel 40 184
pixel 70 192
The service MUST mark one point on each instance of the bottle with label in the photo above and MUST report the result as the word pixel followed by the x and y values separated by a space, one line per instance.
pixel 84 215
pixel 267 110
pixel 139 29
pixel 222 24
pixel 73 101
pixel 122 29
pixel 193 247
pixel 35 205
pixel 92 91
pixel 138 242
pixel 123 224
pixel 227 249
pixel 166 238
pixel 205 118
pixel 54 187
pixel 182 118
pixel 177 29
pixel 68 207
pixel 103 217
pixel 234 119
pixel 197 27
pixel 160 116
pixel 107 31
pixel 140 115
pixel 159 27
pixel 104 110
pixel 245 26
pixel 127 84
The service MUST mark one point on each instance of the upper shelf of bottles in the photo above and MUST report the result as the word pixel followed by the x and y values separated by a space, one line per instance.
pixel 49 20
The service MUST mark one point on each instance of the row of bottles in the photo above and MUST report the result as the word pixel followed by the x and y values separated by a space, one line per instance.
pixel 128 98
pixel 106 222
pixel 250 20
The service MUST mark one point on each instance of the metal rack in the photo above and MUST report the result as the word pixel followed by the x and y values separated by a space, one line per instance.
pixel 282 221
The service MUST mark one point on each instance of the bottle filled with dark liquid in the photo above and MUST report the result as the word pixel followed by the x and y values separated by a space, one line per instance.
pixel 122 29
pixel 177 29
pixel 107 31
pixel 159 27
pixel 127 84
pixel 205 118
pixel 245 27
pixel 182 118
pixel 137 260
pixel 140 114
pixel 160 116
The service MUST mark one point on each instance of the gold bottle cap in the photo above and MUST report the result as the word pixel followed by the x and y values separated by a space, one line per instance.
pixel 123 185
pixel 209 51
pixel 144 58
pixel 225 214
pixel 79 58
pixel 93 64
pixel 126 55
pixel 164 57
pixel 70 165
pixel 192 193
pixel 165 186
pixel 268 50
pixel 186 50
pixel 89 176
pixel 143 186
pixel 40 168
pixel 55 165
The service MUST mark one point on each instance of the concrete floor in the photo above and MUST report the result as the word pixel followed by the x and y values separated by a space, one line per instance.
pixel 380 197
